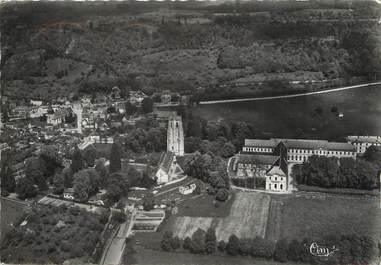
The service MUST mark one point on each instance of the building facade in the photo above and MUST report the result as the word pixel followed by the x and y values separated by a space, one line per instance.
pixel 299 150
pixel 169 169
pixel 362 143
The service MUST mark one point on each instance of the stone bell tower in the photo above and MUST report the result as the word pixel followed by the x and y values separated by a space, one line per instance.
pixel 175 136
pixel 77 109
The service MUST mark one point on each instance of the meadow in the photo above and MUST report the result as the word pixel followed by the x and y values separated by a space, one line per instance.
pixel 317 216
pixel 11 215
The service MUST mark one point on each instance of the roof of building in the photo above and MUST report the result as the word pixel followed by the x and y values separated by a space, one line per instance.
pixel 257 159
pixel 301 144
pixel 166 160
pixel 276 170
pixel 261 143
pixel 69 190
pixel 364 139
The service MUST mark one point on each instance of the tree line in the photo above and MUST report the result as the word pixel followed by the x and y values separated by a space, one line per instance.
pixel 353 249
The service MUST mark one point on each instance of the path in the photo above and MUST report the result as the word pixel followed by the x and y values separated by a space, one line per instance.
pixel 287 96
pixel 114 249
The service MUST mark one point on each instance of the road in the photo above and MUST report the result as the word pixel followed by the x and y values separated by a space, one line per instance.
pixel 288 96
pixel 113 252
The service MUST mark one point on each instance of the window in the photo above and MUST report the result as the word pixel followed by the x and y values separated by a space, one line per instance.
pixel 275 178
pixel 281 179
pixel 281 186
pixel 275 186
pixel 269 186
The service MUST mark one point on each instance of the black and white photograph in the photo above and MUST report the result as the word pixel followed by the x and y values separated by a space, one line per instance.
pixel 190 132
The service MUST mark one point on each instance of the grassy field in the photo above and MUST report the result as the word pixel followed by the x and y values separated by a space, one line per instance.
pixel 315 217
pixel 247 219
pixel 11 214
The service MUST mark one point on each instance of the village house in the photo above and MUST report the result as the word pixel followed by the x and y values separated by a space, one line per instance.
pixel 68 194
pixel 136 97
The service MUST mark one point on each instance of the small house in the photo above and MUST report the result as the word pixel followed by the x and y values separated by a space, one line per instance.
pixel 68 194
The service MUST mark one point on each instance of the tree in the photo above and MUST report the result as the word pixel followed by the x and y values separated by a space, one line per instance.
pixel 221 246
pixel 81 183
pixel 228 150
pixel 222 194
pixel 373 155
pixel 210 241
pixel 58 182
pixel 76 161
pixel 175 242
pixel 147 105
pixel 34 170
pixel 8 182
pixel 102 171
pixel 166 241
pixel 90 155
pixel 244 247
pixel 119 217
pixel 115 158
pixel 25 188
pixel 117 187
pixel 187 243
pixel 198 241
pixel 233 245
pixel 130 109
pixel 148 201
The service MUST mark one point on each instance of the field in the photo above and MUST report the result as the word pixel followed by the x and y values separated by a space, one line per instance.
pixel 247 219
pixel 315 217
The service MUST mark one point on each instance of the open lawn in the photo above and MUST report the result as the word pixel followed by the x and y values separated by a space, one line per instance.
pixel 317 216
pixel 247 219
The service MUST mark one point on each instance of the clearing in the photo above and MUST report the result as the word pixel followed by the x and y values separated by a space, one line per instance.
pixel 247 219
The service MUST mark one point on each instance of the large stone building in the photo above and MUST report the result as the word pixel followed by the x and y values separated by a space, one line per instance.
pixel 272 159
pixel 299 150
pixel 363 142
pixel 175 136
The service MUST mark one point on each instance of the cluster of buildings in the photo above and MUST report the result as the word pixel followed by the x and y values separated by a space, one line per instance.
pixel 272 159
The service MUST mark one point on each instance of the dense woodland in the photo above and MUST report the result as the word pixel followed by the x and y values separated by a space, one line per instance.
pixel 79 53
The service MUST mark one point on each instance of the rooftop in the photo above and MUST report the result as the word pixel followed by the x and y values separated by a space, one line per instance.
pixel 364 139
pixel 257 159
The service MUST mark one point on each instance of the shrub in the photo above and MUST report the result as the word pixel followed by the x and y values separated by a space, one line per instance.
pixel 222 194
pixel 244 247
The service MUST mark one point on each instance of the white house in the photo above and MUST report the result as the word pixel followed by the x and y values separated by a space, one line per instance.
pixel 68 194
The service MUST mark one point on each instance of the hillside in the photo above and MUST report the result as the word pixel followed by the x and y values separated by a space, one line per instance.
pixel 153 46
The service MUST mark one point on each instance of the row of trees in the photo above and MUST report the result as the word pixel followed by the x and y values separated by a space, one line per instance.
pixel 353 249
pixel 331 172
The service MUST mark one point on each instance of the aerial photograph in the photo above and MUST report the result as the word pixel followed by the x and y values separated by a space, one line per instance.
pixel 216 132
